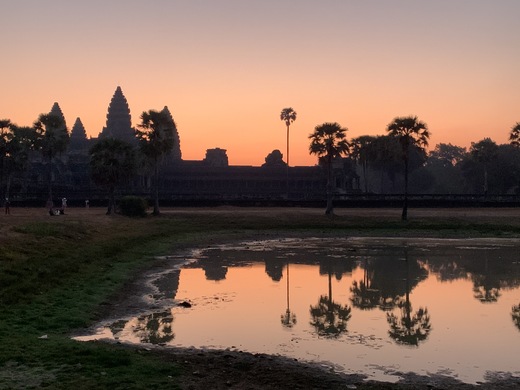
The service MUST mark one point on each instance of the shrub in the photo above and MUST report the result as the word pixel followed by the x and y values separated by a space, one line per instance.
pixel 133 206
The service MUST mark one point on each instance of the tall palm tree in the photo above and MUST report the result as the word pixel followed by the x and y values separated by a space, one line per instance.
pixel 328 142
pixel 484 152
pixel 361 151
pixel 156 138
pixel 410 132
pixel 514 136
pixel 53 138
pixel 112 163
pixel 288 115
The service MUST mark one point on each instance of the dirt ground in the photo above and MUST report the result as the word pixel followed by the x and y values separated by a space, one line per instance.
pixel 238 370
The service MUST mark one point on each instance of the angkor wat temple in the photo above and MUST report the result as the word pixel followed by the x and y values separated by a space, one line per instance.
pixel 210 178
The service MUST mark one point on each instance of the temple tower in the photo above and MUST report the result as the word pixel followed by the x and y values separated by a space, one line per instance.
pixel 78 137
pixel 175 155
pixel 56 110
pixel 119 121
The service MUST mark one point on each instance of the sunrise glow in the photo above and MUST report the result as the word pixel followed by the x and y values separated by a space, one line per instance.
pixel 226 69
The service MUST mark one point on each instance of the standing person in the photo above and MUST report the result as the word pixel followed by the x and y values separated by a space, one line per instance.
pixel 7 206
pixel 63 203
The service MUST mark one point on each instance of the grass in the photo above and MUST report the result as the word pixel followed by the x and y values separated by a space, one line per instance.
pixel 56 273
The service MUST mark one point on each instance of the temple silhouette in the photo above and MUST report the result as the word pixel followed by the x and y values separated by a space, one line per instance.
pixel 207 179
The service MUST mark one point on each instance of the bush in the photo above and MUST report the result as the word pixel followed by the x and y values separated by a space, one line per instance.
pixel 133 206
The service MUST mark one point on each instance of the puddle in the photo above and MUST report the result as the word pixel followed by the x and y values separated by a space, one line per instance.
pixel 384 308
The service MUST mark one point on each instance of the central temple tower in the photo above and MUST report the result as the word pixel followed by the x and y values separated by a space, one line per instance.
pixel 119 121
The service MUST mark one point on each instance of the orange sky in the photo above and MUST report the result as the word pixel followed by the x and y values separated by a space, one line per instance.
pixel 226 69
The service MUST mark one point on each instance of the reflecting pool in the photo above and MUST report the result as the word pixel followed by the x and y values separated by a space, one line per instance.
pixel 374 306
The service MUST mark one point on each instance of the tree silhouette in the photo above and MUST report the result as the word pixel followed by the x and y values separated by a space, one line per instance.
pixel 19 142
pixel 288 115
pixel 328 142
pixel 514 135
pixel 410 132
pixel 112 163
pixel 329 318
pixel 515 315
pixel 288 319
pixel 52 139
pixel 484 152
pixel 362 150
pixel 156 138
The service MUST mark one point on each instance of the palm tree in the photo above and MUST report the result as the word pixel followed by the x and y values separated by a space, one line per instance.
pixel 410 132
pixel 112 163
pixel 156 138
pixel 361 151
pixel 484 152
pixel 53 138
pixel 288 115
pixel 21 140
pixel 328 142
pixel 514 136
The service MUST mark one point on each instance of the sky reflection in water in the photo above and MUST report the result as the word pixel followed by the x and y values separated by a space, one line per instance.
pixel 372 306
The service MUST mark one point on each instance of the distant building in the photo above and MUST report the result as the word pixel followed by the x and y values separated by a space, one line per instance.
pixel 210 178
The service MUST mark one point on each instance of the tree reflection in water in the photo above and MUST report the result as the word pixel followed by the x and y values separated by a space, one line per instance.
pixel 515 315
pixel 408 328
pixel 155 328
pixel 288 319
pixel 486 286
pixel 329 318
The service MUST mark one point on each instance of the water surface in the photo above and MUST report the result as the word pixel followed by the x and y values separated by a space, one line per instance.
pixel 378 307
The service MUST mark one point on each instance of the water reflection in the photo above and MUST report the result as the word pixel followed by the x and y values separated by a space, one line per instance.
pixel 329 318
pixel 406 328
pixel 515 315
pixel 366 299
pixel 154 328
pixel 288 318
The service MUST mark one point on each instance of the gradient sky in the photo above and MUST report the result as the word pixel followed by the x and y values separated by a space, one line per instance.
pixel 227 68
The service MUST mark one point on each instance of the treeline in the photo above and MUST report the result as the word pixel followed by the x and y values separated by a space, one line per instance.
pixel 485 168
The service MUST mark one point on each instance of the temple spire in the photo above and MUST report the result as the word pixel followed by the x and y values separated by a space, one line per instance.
pixel 119 121
pixel 56 110
pixel 175 155
pixel 78 137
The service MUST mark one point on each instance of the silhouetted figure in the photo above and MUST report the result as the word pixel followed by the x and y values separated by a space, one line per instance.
pixel 7 206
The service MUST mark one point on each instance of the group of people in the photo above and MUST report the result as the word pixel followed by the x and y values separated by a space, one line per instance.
pixel 52 210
